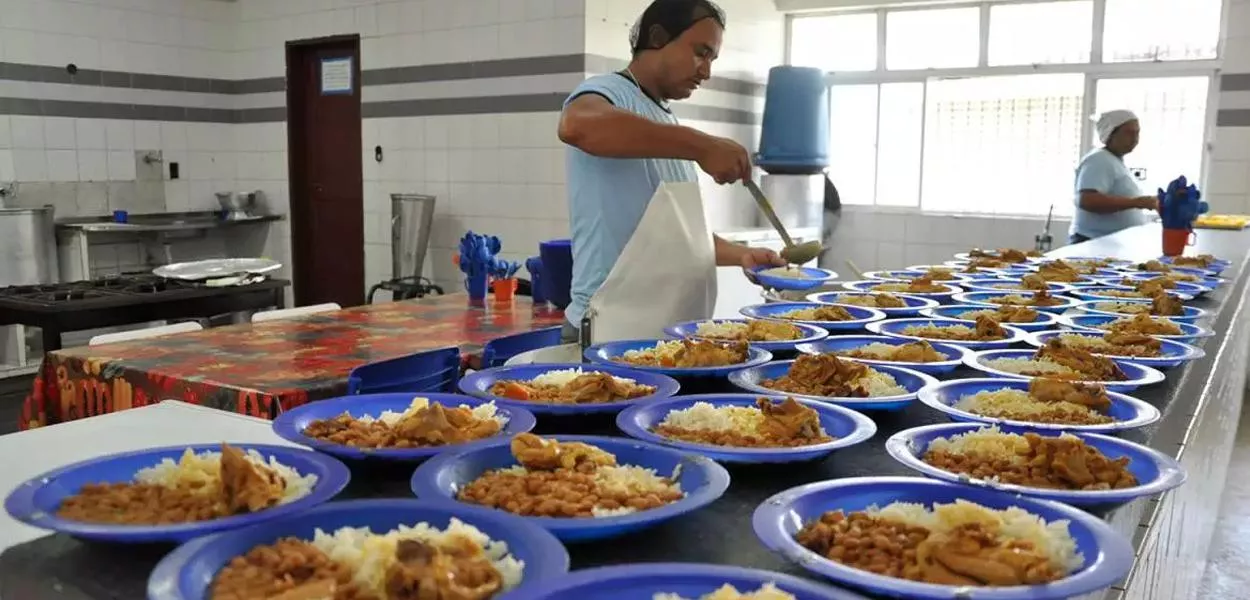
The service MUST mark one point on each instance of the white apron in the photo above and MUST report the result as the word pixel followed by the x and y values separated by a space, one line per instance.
pixel 665 274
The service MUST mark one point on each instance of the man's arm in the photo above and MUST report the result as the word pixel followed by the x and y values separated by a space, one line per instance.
pixel 1097 202
pixel 1094 179
pixel 592 124
pixel 595 126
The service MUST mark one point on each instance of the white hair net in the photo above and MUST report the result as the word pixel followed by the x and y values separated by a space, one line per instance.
pixel 1108 122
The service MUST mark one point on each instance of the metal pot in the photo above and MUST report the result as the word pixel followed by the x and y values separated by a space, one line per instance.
pixel 28 245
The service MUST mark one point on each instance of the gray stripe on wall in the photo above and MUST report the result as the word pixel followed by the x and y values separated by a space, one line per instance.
pixel 1233 117
pixel 515 67
pixel 1235 82
pixel 604 64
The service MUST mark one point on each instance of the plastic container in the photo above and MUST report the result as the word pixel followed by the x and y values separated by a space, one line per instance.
pixel 505 289
pixel 557 261
pixel 475 285
pixel 537 280
pixel 1175 240
pixel 794 138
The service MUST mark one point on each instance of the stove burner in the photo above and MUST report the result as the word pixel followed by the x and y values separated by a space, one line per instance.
pixel 105 287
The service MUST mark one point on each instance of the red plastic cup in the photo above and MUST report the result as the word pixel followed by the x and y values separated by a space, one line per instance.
pixel 1175 240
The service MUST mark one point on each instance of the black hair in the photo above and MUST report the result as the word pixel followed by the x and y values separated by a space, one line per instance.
pixel 665 21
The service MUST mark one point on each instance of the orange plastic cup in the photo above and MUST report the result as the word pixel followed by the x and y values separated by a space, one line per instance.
pixel 1175 240
pixel 505 289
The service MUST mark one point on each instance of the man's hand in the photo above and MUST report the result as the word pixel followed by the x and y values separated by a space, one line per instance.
pixel 1147 203
pixel 754 258
pixel 725 160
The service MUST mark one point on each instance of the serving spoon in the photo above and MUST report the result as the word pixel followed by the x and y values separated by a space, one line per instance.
pixel 797 254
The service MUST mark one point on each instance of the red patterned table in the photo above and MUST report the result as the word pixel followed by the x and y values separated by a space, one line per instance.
pixel 246 368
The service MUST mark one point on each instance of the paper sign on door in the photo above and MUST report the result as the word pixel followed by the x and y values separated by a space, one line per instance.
pixel 336 76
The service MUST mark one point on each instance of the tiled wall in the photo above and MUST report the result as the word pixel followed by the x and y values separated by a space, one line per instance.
pixel 1229 177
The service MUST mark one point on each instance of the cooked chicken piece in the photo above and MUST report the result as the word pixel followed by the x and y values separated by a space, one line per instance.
pixel 917 352
pixel 759 330
pixel 246 486
pixel 1033 281
pixel 1201 261
pixel 1163 282
pixel 1164 305
pixel 1134 344
pixel 437 425
pixel 1095 368
pixel 969 551
pixel 1055 390
pixel 979 253
pixel 818 313
pixel 1059 271
pixel 1154 266
pixel 888 301
pixel 1143 323
pixel 1010 313
pixel 1012 255
pixel 988 329
pixel 939 274
pixel 924 285
pixel 704 353
pixel 540 454
pixel 789 419
pixel 423 572
pixel 822 375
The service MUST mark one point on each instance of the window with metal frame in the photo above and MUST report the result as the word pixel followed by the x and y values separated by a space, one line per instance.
pixel 986 107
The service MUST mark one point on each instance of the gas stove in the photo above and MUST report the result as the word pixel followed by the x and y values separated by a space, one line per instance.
pixel 112 288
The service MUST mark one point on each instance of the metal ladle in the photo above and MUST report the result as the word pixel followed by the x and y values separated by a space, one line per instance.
pixel 797 254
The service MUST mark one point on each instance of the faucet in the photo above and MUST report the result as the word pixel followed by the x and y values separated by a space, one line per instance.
pixel 7 191
pixel 152 158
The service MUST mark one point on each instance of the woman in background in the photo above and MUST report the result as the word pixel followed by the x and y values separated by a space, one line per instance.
pixel 1107 197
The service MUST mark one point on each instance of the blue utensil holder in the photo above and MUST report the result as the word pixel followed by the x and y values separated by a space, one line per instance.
pixel 537 279
pixel 557 257
pixel 475 285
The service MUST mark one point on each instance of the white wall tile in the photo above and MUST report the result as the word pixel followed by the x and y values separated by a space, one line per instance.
pixel 8 172
pixel 147 135
pixel 58 133
pixel 27 132
pixel 6 132
pixel 121 165
pixel 62 165
pixel 93 165
pixel 120 135
pixel 89 134
pixel 30 165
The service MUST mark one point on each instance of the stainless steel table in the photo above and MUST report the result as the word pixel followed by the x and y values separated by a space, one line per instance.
pixel 1200 404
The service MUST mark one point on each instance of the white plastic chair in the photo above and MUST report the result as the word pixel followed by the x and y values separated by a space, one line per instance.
pixel 299 311
pixel 143 334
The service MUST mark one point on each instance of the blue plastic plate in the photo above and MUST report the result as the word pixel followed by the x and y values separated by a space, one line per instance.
pixel 985 299
pixel 1000 284
pixel 849 342
pixel 701 479
pixel 1187 270
pixel 1189 334
pixel 913 381
pixel 1155 471
pixel 1192 313
pixel 1171 354
pixel 867 285
pixel 811 333
pixel 1098 293
pixel 603 354
pixel 1138 375
pixel 687 580
pixel 36 501
pixel 290 425
pixel 1128 412
pixel 1045 320
pixel 1108 556
pixel 914 303
pixel 862 314
pixel 1204 283
pixel 895 327
pixel 908 274
pixel 846 426
pixel 1216 267
pixel 813 278
pixel 187 573
pixel 479 383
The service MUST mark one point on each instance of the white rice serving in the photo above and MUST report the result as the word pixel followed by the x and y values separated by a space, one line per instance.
pixel 728 592
pixel 662 348
pixel 721 329
pixel 203 470
pixel 627 479
pixel 704 416
pixel 1024 366
pixel 369 554
pixel 561 377
pixel 879 351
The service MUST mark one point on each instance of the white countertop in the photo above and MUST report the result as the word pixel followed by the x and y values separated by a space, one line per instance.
pixel 170 423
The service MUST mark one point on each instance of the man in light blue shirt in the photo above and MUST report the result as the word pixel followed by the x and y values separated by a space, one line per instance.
pixel 1107 197
pixel 623 141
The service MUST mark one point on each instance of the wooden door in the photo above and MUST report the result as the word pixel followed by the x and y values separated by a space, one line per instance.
pixel 327 187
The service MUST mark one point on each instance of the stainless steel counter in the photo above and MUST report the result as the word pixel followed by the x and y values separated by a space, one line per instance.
pixel 161 223
pixel 1201 403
